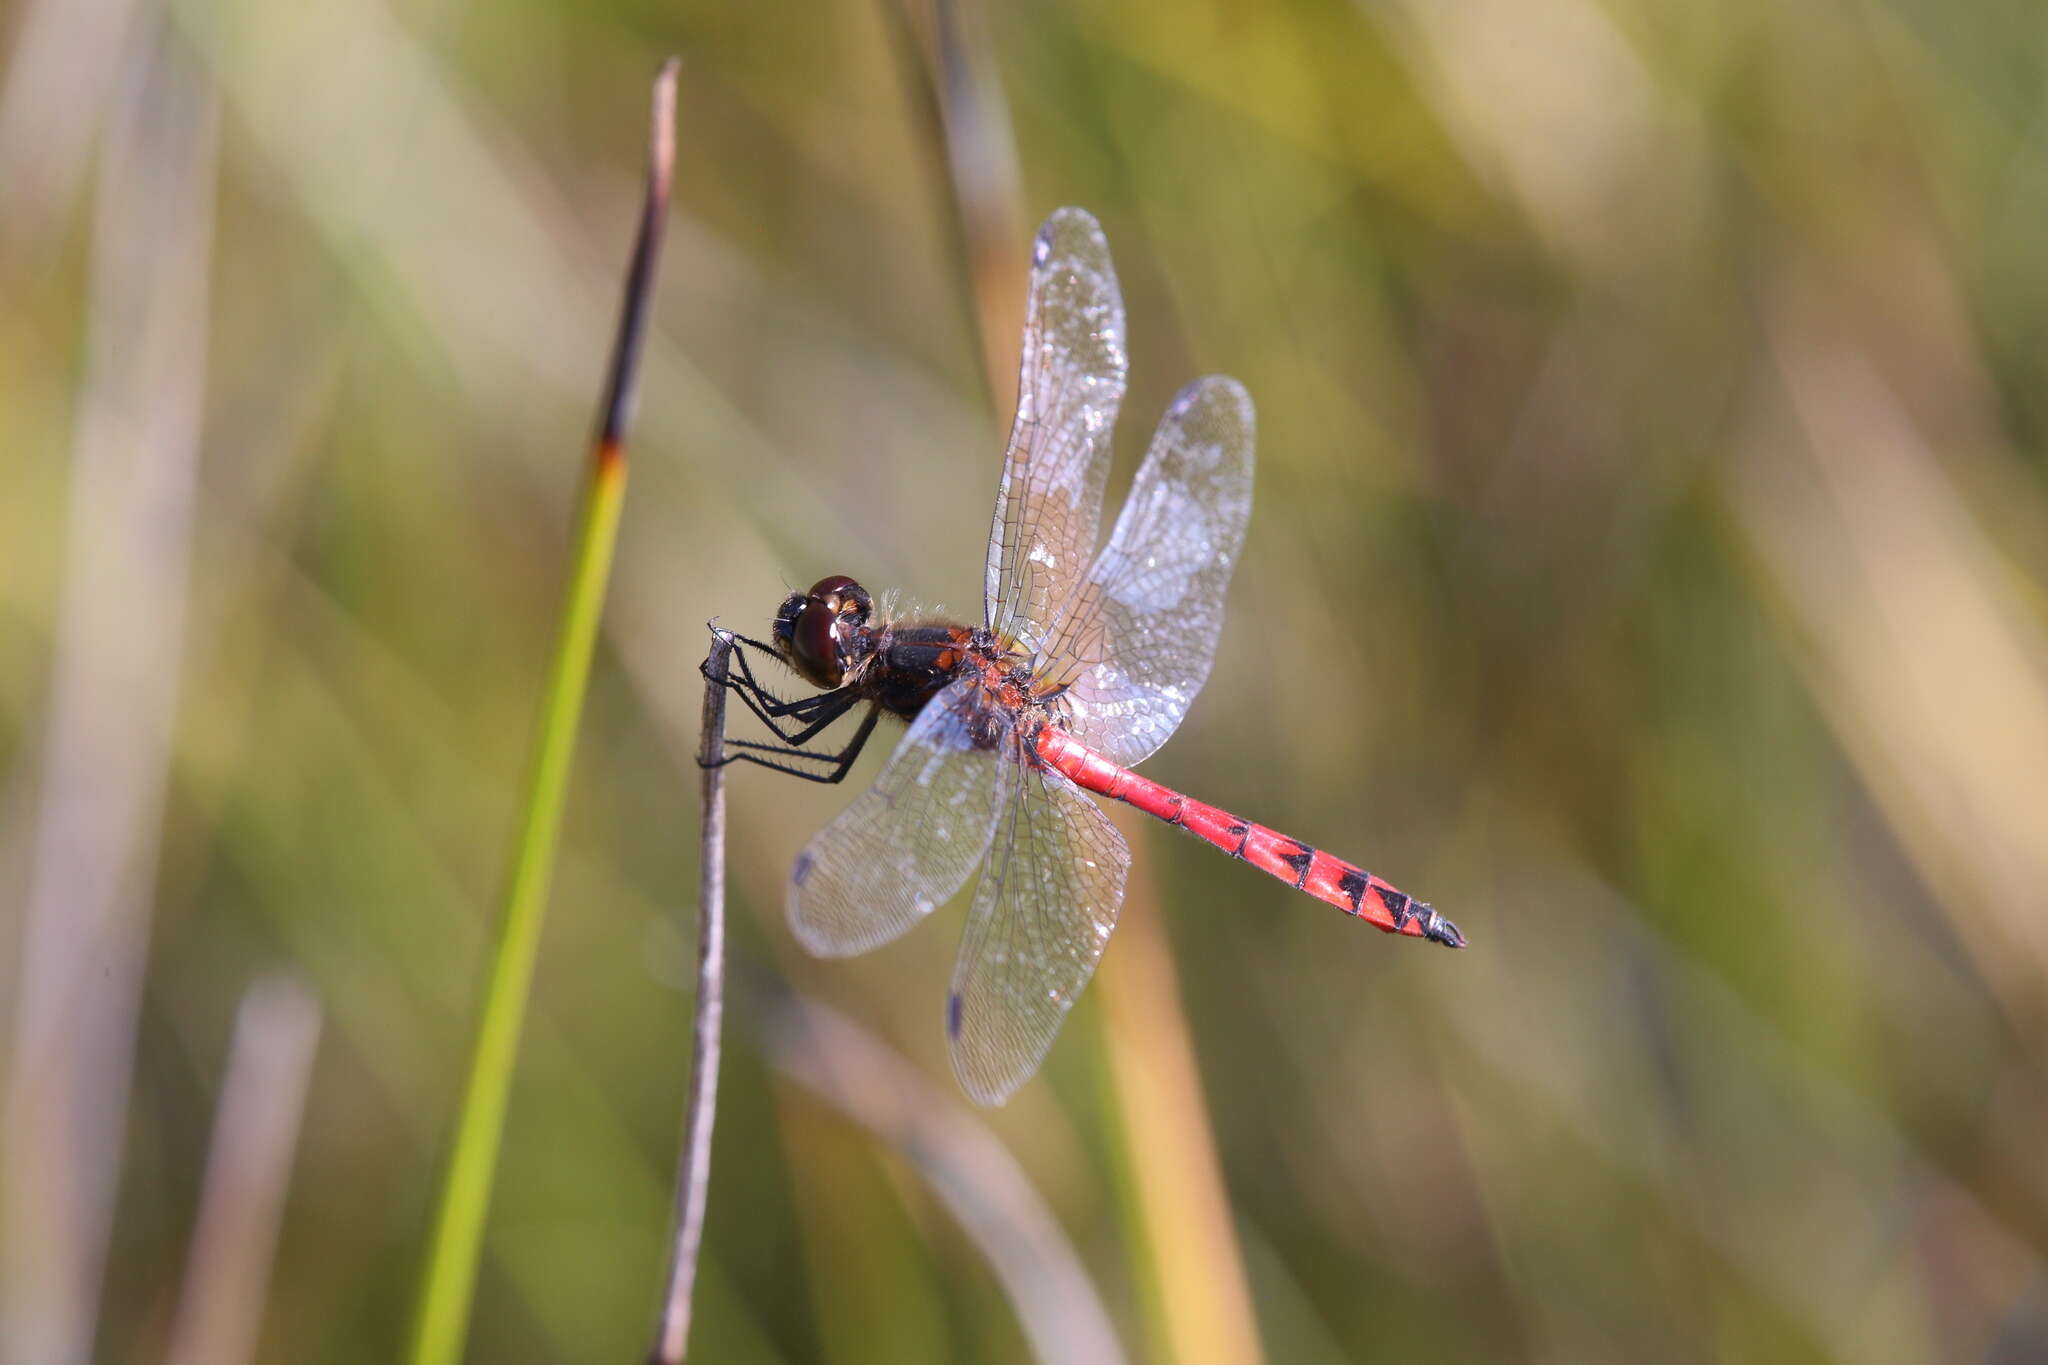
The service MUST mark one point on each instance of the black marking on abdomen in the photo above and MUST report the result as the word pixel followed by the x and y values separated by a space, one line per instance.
pixel 1353 884
pixel 955 1006
pixel 1243 832
pixel 1299 861
pixel 1397 905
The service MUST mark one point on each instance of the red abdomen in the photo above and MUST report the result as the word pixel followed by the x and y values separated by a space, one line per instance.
pixel 1351 889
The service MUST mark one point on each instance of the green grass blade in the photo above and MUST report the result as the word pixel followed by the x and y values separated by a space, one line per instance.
pixel 449 1279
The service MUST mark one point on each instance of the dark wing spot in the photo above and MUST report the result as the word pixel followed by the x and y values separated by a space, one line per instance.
pixel 1299 860
pixel 1353 884
pixel 802 868
pixel 955 1006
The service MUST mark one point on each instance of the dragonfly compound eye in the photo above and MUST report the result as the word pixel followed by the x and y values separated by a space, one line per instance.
pixel 814 644
pixel 843 596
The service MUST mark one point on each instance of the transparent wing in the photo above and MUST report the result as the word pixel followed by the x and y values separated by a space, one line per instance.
pixel 1137 642
pixel 1049 505
pixel 908 842
pixel 1042 913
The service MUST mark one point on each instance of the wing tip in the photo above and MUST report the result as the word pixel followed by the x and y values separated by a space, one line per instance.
pixel 811 937
pixel 1071 220
pixel 1220 390
pixel 981 1091
pixel 983 1071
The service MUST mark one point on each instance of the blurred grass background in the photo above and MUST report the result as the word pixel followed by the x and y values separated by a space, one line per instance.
pixel 1648 569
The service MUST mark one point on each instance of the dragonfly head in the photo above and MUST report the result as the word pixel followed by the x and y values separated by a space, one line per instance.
pixel 819 632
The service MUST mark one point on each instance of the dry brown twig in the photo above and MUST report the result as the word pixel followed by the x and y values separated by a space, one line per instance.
pixel 693 1166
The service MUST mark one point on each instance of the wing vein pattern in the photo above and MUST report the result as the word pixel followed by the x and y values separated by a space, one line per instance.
pixel 1043 911
pixel 908 842
pixel 1136 644
pixel 1070 381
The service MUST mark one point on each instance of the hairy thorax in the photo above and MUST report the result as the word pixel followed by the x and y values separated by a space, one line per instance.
pixel 911 663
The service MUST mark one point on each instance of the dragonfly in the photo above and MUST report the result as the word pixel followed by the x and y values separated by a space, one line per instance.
pixel 1084 662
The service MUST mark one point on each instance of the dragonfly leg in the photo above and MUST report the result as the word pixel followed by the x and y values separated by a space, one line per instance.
pixel 747 751
pixel 745 681
pixel 811 714
pixel 808 720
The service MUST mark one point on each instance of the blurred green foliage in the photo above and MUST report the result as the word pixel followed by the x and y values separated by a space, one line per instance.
pixel 1648 569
